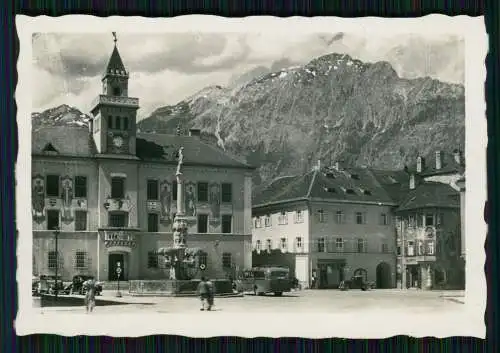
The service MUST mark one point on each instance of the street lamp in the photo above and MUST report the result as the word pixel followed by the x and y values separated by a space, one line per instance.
pixel 118 273
pixel 56 235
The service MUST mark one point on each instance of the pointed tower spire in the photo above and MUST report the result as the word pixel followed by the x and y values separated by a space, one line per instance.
pixel 115 64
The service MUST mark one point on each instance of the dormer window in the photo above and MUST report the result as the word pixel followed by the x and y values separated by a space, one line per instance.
pixel 365 192
pixel 49 148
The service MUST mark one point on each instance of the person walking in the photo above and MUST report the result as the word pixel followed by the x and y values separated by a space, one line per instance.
pixel 90 287
pixel 203 292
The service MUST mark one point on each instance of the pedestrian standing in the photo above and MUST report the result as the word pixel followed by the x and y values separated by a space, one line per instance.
pixel 211 294
pixel 203 293
pixel 90 287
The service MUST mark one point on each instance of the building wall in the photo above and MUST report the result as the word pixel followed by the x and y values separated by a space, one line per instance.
pixel 98 203
pixel 107 170
pixel 275 231
pixel 372 230
pixel 305 261
pixel 70 168
pixel 446 240
pixel 191 176
pixel 136 262
pixel 68 244
pixel 239 246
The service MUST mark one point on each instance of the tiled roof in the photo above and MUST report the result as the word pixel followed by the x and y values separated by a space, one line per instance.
pixel 351 184
pixel 77 142
pixel 161 147
pixel 65 140
pixel 283 189
pixel 354 184
pixel 448 165
pixel 395 183
pixel 430 194
pixel 360 185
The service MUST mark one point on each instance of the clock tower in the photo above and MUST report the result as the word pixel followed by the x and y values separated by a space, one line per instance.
pixel 114 113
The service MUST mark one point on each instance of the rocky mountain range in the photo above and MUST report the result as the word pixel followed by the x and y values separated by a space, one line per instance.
pixel 62 115
pixel 333 108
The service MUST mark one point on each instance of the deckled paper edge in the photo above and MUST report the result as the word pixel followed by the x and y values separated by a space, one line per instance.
pixel 467 320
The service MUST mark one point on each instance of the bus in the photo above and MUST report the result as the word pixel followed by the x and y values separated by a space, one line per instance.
pixel 265 279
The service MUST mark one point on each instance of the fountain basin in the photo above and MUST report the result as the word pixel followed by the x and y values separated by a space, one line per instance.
pixel 172 287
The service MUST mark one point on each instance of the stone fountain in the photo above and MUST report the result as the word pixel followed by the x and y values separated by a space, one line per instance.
pixel 182 261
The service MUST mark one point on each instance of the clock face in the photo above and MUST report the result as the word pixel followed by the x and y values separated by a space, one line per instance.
pixel 118 141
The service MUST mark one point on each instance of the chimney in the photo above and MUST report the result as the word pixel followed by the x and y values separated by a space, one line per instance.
pixel 195 132
pixel 457 154
pixel 420 164
pixel 438 160
pixel 412 181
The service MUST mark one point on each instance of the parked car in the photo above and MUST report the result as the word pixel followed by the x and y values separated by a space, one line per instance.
pixel 46 284
pixel 356 282
pixel 76 286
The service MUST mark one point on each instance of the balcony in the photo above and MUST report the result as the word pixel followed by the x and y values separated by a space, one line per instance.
pixel 116 100
pixel 423 232
pixel 414 260
pixel 119 239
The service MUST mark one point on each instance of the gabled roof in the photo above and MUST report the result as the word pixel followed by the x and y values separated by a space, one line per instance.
pixel 284 189
pixel 355 184
pixel 448 165
pixel 351 184
pixel 71 141
pixel 430 194
pixel 115 64
pixel 162 147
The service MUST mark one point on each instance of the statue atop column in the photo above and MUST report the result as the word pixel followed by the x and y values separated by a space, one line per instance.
pixel 181 259
pixel 179 164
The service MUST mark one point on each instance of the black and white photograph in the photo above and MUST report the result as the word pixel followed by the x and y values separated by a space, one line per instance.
pixel 202 176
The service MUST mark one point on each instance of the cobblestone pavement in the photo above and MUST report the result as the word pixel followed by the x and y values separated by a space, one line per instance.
pixel 311 301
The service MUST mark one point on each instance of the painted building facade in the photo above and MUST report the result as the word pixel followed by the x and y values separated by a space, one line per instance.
pixel 111 192
pixel 430 223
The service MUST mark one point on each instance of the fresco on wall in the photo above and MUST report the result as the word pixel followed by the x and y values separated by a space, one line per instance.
pixel 190 200
pixel 38 198
pixel 67 198
pixel 214 190
pixel 166 202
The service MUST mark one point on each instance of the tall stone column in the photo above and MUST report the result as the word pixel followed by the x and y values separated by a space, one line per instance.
pixel 180 225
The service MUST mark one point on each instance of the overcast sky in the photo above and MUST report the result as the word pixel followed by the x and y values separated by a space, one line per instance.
pixel 166 68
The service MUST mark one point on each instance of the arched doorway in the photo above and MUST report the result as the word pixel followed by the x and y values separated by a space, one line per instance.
pixel 383 277
pixel 361 272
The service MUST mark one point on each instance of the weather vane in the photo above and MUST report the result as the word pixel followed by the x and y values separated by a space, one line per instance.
pixel 114 37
